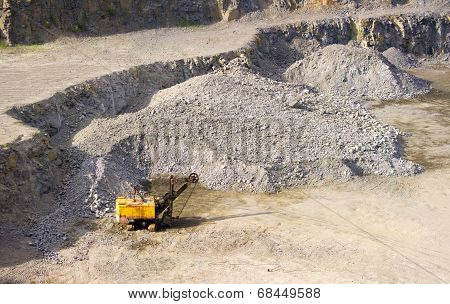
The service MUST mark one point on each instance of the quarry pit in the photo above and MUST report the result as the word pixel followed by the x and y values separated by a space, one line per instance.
pixel 311 128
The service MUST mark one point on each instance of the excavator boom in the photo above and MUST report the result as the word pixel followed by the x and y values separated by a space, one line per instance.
pixel 149 211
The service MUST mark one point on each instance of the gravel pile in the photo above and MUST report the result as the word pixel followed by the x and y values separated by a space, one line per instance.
pixel 244 132
pixel 361 72
pixel 400 59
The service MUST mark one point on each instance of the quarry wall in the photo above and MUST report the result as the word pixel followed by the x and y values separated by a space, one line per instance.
pixel 37 21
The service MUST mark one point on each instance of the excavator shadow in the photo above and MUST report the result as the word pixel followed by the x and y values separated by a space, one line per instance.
pixel 192 221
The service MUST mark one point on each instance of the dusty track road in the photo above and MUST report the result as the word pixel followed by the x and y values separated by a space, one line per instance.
pixel 371 230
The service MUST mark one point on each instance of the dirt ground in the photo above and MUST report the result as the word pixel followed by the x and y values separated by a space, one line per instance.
pixel 369 230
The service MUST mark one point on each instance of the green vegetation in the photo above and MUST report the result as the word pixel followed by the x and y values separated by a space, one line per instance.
pixel 50 22
pixel 111 10
pixel 188 23
pixel 354 30
pixel 19 49
pixel 83 22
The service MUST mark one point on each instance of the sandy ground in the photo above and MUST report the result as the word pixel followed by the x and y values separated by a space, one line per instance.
pixel 370 230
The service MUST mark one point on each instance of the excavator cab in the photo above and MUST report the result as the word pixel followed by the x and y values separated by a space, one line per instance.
pixel 137 210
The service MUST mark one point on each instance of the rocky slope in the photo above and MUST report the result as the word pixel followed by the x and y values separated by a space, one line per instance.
pixel 361 72
pixel 23 21
pixel 245 132
pixel 400 59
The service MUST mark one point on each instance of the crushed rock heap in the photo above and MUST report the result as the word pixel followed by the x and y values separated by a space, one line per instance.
pixel 244 132
pixel 349 70
pixel 400 59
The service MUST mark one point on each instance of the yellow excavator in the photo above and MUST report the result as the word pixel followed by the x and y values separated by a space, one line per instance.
pixel 143 210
